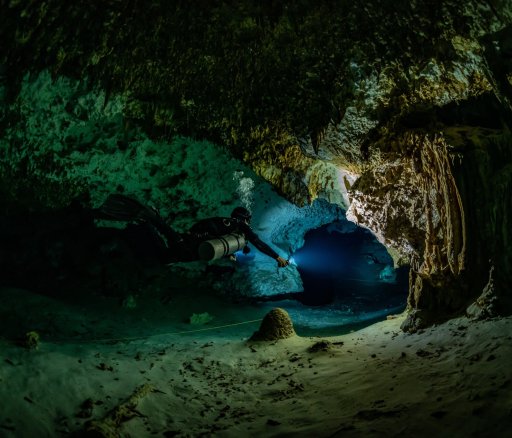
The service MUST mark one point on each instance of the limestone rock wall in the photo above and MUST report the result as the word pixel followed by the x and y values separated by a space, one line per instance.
pixel 413 204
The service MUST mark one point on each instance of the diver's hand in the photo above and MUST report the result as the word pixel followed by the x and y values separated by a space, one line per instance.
pixel 282 262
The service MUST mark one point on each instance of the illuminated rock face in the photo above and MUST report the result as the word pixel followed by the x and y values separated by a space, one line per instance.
pixel 414 205
pixel 441 204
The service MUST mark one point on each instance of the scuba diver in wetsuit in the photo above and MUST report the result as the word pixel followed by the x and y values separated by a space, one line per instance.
pixel 205 240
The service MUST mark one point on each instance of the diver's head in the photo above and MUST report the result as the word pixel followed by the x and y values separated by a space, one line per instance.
pixel 241 213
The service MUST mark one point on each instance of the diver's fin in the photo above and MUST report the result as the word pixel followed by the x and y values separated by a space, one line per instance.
pixel 123 208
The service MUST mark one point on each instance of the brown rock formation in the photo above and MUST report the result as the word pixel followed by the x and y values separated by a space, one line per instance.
pixel 275 325
pixel 412 203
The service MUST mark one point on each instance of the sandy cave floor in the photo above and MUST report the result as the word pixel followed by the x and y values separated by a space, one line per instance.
pixel 451 380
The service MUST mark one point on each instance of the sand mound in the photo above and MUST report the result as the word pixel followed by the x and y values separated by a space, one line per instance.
pixel 275 325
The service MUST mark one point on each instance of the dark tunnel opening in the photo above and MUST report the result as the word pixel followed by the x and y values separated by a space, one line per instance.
pixel 349 269
pixel 349 282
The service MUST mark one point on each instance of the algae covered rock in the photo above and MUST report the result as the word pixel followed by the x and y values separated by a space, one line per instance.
pixel 276 324
pixel 31 340
pixel 200 318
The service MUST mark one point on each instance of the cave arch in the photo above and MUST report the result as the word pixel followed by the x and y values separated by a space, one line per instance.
pixel 348 281
pixel 349 268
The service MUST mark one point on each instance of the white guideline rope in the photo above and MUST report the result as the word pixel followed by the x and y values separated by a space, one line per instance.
pixel 138 338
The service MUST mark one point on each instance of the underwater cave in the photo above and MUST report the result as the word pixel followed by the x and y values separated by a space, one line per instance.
pixel 348 281
pixel 337 127
pixel 350 268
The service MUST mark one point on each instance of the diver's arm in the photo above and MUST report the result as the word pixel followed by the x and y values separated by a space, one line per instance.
pixel 282 262
pixel 253 238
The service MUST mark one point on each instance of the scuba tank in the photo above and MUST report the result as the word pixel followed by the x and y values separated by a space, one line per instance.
pixel 222 246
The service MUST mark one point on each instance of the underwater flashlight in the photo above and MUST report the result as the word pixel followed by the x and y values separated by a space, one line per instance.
pixel 292 261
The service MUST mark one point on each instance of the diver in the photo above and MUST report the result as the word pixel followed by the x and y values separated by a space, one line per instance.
pixel 208 239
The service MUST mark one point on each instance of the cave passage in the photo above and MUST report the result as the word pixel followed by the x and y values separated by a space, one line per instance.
pixel 348 279
pixel 349 268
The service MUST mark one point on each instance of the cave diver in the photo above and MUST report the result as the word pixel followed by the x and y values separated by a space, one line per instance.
pixel 208 239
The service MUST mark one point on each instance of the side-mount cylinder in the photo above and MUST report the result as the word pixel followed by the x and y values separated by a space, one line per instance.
pixel 222 246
